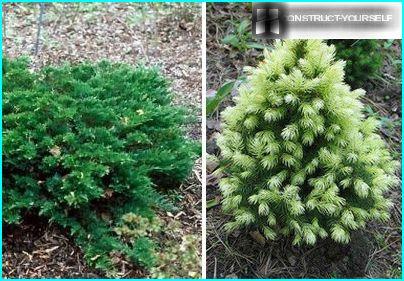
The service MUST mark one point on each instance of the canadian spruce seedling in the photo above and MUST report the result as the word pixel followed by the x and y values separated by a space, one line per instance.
pixel 300 157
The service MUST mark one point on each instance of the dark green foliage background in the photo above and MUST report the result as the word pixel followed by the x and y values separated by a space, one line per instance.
pixel 363 58
pixel 84 144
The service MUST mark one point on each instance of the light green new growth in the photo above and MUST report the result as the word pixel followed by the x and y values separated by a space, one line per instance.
pixel 301 158
pixel 172 253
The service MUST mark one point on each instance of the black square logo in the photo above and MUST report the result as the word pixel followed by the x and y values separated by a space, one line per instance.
pixel 268 20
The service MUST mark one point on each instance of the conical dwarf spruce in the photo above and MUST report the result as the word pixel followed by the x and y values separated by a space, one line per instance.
pixel 299 156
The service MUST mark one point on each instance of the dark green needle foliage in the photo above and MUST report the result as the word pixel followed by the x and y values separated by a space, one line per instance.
pixel 85 144
pixel 300 157
pixel 364 59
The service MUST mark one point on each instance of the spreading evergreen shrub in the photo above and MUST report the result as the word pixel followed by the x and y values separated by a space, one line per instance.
pixel 364 59
pixel 85 144
pixel 300 157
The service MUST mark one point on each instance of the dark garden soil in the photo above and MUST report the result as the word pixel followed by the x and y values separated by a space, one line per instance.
pixel 373 252
pixel 37 250
pixel 163 35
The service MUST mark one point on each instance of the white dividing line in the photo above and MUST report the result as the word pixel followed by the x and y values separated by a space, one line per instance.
pixel 204 140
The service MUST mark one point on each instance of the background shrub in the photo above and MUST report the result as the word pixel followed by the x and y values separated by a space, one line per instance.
pixel 299 156
pixel 364 59
pixel 85 144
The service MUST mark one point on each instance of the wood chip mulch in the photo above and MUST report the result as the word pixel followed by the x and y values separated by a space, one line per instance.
pixel 156 34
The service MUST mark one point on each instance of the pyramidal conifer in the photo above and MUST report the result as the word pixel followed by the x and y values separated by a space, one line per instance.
pixel 300 157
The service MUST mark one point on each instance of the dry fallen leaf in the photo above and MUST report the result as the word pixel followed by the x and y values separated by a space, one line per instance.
pixel 108 193
pixel 257 236
pixel 55 151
